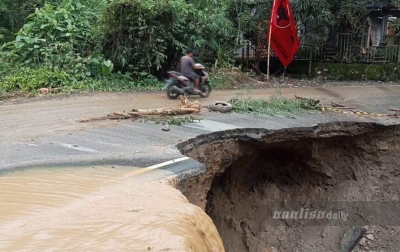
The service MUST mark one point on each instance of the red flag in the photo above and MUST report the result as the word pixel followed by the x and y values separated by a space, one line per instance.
pixel 284 38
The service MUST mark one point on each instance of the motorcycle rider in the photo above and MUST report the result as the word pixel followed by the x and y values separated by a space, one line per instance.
pixel 187 65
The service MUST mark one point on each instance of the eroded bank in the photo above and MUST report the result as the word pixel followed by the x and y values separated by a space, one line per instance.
pixel 352 168
pixel 250 172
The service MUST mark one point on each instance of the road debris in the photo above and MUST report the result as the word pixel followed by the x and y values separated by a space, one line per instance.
pixel 49 90
pixel 308 103
pixel 221 106
pixel 185 107
pixel 336 105
pixel 360 113
pixel 166 128
pixel 397 114
pixel 351 238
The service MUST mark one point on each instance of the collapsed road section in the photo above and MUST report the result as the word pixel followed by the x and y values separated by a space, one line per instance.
pixel 332 187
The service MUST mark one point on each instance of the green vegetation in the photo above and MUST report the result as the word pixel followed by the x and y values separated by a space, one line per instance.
pixel 396 23
pixel 357 72
pixel 119 45
pixel 346 71
pixel 274 105
pixel 28 79
pixel 55 48
pixel 146 36
pixel 176 120
pixel 87 45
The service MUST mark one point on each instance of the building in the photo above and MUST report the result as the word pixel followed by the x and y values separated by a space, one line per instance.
pixel 377 26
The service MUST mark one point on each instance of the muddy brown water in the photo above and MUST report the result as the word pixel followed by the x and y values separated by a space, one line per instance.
pixel 98 209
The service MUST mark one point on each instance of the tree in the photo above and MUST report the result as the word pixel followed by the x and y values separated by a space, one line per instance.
pixel 349 14
pixel 59 37
pixel 315 18
pixel 396 23
pixel 150 35
pixel 13 15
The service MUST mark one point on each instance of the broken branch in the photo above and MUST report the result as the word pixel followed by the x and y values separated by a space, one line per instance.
pixel 185 108
pixel 336 105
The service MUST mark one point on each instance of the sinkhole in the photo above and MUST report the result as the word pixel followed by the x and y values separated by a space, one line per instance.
pixel 262 187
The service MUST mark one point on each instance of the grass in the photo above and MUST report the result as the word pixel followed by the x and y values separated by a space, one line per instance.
pixel 171 120
pixel 273 106
pixel 116 85
pixel 26 80
pixel 88 85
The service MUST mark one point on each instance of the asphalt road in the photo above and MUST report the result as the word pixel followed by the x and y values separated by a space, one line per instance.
pixel 45 132
pixel 40 139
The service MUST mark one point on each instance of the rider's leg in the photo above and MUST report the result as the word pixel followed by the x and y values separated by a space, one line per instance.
pixel 196 84
pixel 196 80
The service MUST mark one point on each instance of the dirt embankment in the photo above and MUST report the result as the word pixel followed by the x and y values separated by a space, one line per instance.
pixel 348 169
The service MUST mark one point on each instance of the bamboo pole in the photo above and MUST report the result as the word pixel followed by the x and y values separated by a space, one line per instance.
pixel 269 40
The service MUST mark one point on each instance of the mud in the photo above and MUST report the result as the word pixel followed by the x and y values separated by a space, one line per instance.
pixel 250 172
pixel 98 209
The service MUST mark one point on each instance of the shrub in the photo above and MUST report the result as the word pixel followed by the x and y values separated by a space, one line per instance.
pixel 118 82
pixel 358 72
pixel 28 79
pixel 60 37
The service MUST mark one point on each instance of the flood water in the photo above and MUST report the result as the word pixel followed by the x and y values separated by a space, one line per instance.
pixel 98 209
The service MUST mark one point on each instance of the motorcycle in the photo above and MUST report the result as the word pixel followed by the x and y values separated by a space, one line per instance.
pixel 177 84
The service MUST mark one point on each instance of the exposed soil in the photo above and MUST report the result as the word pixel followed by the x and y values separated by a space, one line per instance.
pixel 250 172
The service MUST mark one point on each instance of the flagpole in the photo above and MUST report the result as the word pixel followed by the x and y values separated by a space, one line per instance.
pixel 269 40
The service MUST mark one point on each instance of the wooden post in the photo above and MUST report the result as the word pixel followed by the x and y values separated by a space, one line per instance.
pixel 310 66
pixel 243 59
pixel 269 51
pixel 269 41
pixel 248 56
pixel 398 58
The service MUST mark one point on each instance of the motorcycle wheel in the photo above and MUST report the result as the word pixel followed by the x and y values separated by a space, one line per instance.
pixel 170 93
pixel 206 90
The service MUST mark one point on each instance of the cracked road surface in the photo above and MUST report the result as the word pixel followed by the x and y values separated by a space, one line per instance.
pixel 46 132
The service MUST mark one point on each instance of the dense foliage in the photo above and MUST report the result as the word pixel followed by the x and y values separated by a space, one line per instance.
pixel 13 15
pixel 396 23
pixel 57 47
pixel 122 44
pixel 60 37
pixel 315 18
pixel 151 35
